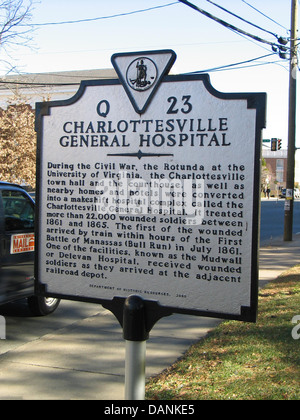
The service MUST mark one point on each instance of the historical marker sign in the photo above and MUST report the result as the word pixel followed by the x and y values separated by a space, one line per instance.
pixel 149 185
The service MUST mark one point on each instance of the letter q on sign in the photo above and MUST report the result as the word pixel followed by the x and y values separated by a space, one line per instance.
pixel 103 108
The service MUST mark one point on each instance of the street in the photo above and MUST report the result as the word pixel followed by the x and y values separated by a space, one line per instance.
pixel 272 219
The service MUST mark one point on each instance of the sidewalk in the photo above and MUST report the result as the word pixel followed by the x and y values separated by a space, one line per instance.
pixel 278 256
pixel 85 360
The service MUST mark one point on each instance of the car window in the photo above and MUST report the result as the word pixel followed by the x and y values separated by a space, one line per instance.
pixel 18 211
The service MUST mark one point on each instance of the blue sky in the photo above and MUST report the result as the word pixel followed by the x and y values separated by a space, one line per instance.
pixel 199 42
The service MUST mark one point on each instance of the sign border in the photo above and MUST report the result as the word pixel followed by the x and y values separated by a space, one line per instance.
pixel 154 309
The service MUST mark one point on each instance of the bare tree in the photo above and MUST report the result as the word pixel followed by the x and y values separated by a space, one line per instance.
pixel 15 29
pixel 17 135
pixel 17 142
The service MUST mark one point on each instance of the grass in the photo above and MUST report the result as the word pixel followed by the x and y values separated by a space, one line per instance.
pixel 242 361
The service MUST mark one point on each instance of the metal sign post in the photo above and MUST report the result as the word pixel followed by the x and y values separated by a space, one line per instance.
pixel 135 334
pixel 137 317
pixel 135 370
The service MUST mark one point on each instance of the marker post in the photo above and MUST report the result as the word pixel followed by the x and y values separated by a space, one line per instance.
pixel 135 334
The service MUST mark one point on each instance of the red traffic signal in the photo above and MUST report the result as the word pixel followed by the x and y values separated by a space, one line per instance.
pixel 279 144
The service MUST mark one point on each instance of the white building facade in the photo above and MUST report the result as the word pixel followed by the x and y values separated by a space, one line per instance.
pixel 47 86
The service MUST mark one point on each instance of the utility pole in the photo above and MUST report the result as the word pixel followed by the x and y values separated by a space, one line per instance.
pixel 290 182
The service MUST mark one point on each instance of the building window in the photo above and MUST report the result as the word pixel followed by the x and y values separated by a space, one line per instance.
pixel 279 170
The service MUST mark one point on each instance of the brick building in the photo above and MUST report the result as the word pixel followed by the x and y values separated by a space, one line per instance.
pixel 275 175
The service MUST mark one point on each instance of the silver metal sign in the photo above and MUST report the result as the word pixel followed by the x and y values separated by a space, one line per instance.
pixel 149 185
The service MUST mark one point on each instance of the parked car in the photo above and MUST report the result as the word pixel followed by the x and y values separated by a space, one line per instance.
pixel 17 250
